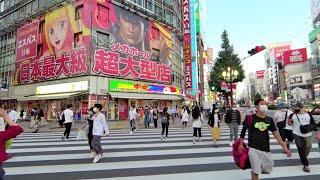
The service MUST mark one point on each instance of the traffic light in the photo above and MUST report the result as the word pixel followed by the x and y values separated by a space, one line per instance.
pixel 255 50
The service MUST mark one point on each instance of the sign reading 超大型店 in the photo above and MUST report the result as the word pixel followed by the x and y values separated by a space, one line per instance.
pixel 27 39
pixel 117 85
pixel 187 54
pixel 295 56
pixel 260 74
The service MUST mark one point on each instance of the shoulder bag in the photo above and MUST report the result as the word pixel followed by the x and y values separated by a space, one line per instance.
pixel 308 127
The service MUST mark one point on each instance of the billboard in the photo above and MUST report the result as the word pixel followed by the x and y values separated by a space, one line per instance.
pixel 187 46
pixel 27 38
pixel 62 47
pixel 295 56
pixel 194 52
pixel 277 51
pixel 133 47
pixel 260 74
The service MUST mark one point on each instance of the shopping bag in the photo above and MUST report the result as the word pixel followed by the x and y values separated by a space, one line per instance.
pixel 241 157
pixel 81 134
pixel 9 144
pixel 215 133
pixel 43 122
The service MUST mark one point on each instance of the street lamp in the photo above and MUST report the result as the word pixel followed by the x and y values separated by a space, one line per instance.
pixel 229 76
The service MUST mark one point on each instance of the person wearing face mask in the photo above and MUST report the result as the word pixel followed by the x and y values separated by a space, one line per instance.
pixel 100 128
pixel 259 140
pixel 233 119
pixel 281 116
pixel 303 140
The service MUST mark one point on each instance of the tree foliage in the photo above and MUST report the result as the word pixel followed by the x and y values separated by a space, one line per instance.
pixel 223 61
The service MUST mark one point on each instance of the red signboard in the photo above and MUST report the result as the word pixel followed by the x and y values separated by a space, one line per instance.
pixel 277 52
pixel 260 74
pixel 27 38
pixel 295 56
pixel 226 86
pixel 186 44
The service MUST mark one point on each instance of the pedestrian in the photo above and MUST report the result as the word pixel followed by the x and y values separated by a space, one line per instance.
pixel 41 115
pixel 68 121
pixel 233 119
pixel 197 120
pixel 24 115
pixel 164 122
pixel 281 116
pixel 146 117
pixel 21 114
pixel 214 123
pixel 185 117
pixel 100 128
pixel 13 114
pixel 89 132
pixel 132 118
pixel 33 114
pixel 248 111
pixel 259 140
pixel 155 117
pixel 61 118
pixel 13 130
pixel 303 140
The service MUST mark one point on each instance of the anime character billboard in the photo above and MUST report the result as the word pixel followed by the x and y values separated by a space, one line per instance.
pixel 61 48
pixel 137 47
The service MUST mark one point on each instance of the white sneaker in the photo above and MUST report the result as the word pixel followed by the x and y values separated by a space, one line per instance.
pixel 62 138
pixel 131 132
pixel 93 154
pixel 97 158
pixel 166 138
pixel 200 140
pixel 161 138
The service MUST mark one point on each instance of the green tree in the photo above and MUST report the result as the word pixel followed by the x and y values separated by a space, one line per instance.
pixel 226 58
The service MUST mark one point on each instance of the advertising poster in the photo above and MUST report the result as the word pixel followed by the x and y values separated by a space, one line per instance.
pixel 194 52
pixel 27 38
pixel 260 74
pixel 187 47
pixel 137 48
pixel 295 56
pixel 62 47
pixel 123 109
pixel 278 50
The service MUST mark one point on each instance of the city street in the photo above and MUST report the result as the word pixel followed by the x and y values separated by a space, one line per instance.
pixel 142 156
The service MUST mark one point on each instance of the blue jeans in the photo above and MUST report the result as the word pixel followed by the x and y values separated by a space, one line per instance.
pixel 146 121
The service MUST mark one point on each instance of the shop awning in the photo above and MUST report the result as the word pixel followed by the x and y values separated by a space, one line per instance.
pixel 144 96
pixel 48 96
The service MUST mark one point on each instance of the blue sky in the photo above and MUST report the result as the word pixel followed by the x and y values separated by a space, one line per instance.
pixel 258 22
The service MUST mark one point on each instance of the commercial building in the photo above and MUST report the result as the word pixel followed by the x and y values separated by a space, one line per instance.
pixel 117 53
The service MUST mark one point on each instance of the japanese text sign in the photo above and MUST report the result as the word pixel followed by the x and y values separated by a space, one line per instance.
pixel 260 74
pixel 295 56
pixel 187 53
pixel 27 38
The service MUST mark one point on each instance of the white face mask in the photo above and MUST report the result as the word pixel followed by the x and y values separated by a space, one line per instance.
pixel 95 109
pixel 264 108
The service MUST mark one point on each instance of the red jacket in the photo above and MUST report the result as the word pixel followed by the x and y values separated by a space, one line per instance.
pixel 11 132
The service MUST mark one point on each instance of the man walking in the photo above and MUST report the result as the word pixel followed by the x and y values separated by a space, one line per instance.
pixel 259 140
pixel 233 119
pixel 68 120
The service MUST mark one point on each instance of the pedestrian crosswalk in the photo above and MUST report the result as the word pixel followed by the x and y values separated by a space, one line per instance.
pixel 142 155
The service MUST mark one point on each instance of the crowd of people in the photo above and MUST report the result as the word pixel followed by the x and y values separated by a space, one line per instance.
pixel 288 125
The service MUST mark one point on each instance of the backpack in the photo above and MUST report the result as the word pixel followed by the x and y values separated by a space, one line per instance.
pixel 241 158
pixel 164 119
pixel 63 117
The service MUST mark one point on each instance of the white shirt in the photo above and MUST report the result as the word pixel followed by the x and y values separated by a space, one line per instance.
pixel 248 111
pixel 185 116
pixel 281 115
pixel 304 120
pixel 132 114
pixel 100 126
pixel 68 116
pixel 197 123
pixel 216 120
pixel 13 115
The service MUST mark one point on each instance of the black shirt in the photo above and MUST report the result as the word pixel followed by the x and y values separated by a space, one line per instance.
pixel 258 132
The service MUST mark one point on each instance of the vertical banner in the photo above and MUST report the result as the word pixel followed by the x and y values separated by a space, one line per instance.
pixel 186 46
pixel 193 36
pixel 27 38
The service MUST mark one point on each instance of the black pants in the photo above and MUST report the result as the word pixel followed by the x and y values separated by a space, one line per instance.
pixel 60 123
pixel 195 130
pixel 133 124
pixel 184 123
pixel 155 122
pixel 90 136
pixel 165 127
pixel 68 129
pixel 304 145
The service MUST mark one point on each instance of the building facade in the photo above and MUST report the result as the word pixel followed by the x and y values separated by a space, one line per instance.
pixel 116 53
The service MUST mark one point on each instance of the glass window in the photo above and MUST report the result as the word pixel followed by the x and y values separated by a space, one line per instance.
pixel 78 41
pixel 2 6
pixel 102 39
pixel 79 12
pixel 103 13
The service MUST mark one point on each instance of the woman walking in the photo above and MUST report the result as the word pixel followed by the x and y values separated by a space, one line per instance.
pixel 90 135
pixel 197 120
pixel 165 123
pixel 214 123
pixel 184 117
pixel 155 117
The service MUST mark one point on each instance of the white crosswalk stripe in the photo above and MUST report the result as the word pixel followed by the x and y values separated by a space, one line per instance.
pixel 142 156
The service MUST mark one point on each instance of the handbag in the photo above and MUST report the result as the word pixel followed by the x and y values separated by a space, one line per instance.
pixel 282 124
pixel 308 127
